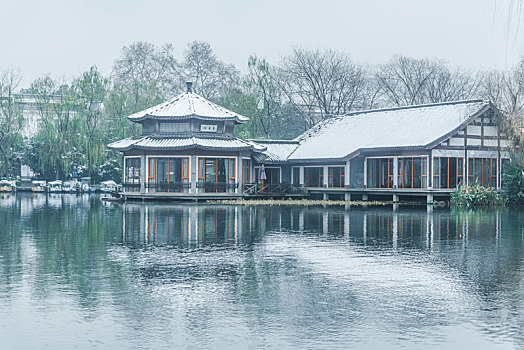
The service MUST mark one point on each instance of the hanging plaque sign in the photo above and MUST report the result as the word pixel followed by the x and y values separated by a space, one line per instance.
pixel 208 128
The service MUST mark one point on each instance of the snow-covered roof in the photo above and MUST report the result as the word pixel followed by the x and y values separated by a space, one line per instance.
pixel 188 105
pixel 403 127
pixel 277 151
pixel 177 142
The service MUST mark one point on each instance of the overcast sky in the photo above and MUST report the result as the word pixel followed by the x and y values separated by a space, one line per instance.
pixel 63 38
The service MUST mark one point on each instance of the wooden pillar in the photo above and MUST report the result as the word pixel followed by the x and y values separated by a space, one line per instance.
pixel 499 161
pixel 430 169
pixel 239 175
pixel 193 164
pixel 143 174
pixel 365 173
pixel 395 173
pixel 325 176
pixel 123 168
pixel 466 162
pixel 347 174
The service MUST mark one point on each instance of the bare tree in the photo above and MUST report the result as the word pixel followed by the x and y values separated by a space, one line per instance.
pixel 11 118
pixel 211 77
pixel 147 74
pixel 506 91
pixel 451 85
pixel 408 81
pixel 322 83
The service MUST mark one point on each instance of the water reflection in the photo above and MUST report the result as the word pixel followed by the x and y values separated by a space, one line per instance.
pixel 79 272
pixel 199 225
pixel 186 225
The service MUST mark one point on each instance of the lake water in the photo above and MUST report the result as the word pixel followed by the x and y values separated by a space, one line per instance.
pixel 76 272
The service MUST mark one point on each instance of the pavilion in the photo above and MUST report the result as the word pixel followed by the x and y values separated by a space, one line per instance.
pixel 187 148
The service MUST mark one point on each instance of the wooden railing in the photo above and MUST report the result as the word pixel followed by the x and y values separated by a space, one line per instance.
pixel 168 186
pixel 278 188
pixel 216 187
pixel 131 186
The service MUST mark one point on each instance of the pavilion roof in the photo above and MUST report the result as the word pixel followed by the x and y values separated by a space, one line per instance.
pixel 183 141
pixel 188 105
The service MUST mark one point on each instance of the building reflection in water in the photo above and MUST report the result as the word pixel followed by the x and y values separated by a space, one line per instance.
pixel 197 225
pixel 188 225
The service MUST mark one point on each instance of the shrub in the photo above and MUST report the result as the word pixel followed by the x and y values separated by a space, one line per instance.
pixel 476 196
pixel 513 182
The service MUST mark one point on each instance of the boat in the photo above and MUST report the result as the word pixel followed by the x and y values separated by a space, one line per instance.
pixel 108 186
pixel 86 185
pixel 68 187
pixel 7 186
pixel 76 186
pixel 38 186
pixel 54 186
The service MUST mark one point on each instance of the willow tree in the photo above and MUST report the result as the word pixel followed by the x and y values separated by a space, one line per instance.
pixel 11 119
pixel 89 93
pixel 56 148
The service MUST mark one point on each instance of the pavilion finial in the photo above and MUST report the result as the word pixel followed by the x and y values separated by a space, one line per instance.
pixel 189 85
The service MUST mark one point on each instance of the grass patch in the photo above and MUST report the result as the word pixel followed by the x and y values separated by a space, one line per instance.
pixel 297 202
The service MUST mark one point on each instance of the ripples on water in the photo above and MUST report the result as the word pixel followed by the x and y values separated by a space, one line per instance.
pixel 77 272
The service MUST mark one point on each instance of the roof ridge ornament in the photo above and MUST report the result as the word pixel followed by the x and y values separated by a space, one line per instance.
pixel 189 85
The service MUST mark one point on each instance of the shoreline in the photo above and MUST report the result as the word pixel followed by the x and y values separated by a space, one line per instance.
pixel 306 202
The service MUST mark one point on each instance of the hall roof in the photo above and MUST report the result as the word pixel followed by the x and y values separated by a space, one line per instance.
pixel 412 127
pixel 277 151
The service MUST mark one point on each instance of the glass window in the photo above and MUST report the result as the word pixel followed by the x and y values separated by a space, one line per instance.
pixel 132 174
pixel 246 171
pixel 408 173
pixel 380 173
pixel 444 172
pixel 216 175
pixel 493 181
pixel 151 168
pixel 313 176
pixel 169 174
pixel 174 127
pixel 412 172
pixel 460 171
pixel 336 177
pixel 424 172
pixel 482 171
pixel 296 176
